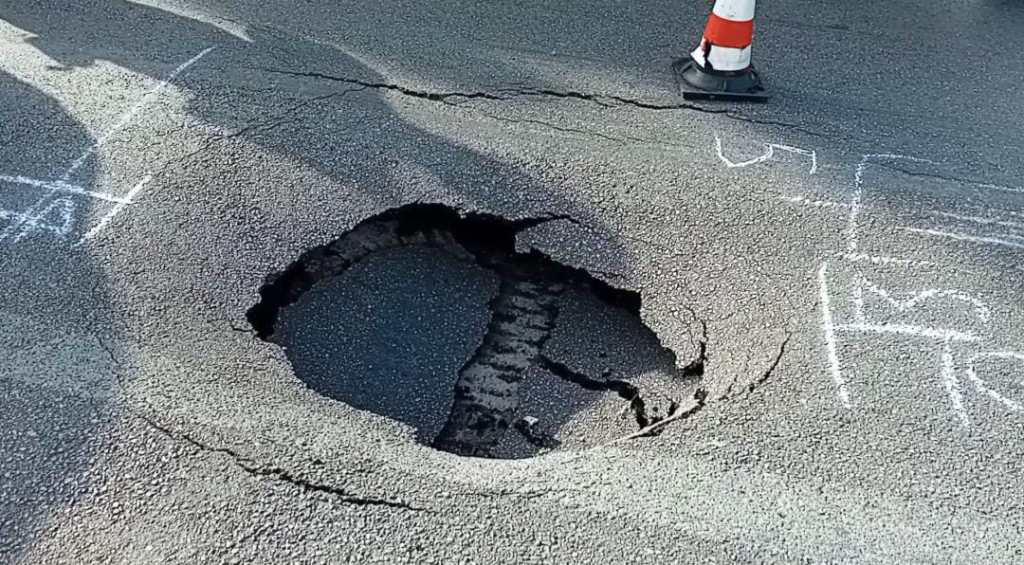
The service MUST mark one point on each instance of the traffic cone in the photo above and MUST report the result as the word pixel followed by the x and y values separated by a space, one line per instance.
pixel 719 68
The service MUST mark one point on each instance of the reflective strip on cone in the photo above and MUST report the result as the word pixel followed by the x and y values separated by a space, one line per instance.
pixel 735 10
pixel 728 36
pixel 728 33
pixel 722 58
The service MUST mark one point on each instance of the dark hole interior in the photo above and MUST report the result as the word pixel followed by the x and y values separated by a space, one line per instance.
pixel 431 318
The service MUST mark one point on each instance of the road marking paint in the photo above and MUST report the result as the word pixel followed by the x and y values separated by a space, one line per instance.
pixel 117 208
pixel 34 221
pixel 885 260
pixel 965 237
pixel 952 385
pixel 828 328
pixel 851 222
pixel 858 191
pixel 10 215
pixel 980 308
pixel 999 187
pixel 982 221
pixel 24 225
pixel 908 330
pixel 814 203
pixel 983 387
pixel 769 152
pixel 994 210
pixel 62 186
pixel 858 301
pixel 127 116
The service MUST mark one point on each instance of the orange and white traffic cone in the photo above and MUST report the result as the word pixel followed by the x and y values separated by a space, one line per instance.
pixel 719 68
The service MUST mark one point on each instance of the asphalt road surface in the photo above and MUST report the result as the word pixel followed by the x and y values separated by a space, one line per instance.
pixel 842 265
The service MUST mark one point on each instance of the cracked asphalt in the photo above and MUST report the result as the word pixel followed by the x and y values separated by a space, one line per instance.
pixel 844 260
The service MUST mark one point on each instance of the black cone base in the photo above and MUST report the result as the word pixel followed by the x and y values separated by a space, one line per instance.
pixel 698 84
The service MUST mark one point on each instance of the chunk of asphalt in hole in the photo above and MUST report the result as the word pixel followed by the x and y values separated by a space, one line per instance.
pixel 432 318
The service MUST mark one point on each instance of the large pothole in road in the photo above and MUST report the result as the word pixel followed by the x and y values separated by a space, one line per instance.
pixel 431 318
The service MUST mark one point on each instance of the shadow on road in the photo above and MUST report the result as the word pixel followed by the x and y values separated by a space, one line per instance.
pixel 260 93
pixel 54 373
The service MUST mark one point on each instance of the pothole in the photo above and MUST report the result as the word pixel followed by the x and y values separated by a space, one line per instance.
pixel 433 319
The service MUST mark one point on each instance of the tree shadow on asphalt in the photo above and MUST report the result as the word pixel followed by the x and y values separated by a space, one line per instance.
pixel 53 402
pixel 372 147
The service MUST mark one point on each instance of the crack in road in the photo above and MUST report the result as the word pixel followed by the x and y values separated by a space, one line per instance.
pixel 696 367
pixel 250 466
pixel 286 116
pixel 607 101
pixel 243 462
pixel 949 178
pixel 505 94
pixel 699 399
pixel 764 122
pixel 697 403
pixel 763 378
pixel 626 391
pixel 771 369
pixel 603 100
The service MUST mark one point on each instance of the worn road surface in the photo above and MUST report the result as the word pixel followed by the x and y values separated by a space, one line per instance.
pixel 843 265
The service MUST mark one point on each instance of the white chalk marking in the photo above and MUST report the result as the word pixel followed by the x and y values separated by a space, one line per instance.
pixel 814 203
pixel 34 222
pixel 11 215
pixel 999 187
pixel 855 202
pixel 62 186
pixel 908 330
pixel 122 121
pixel 858 192
pixel 980 308
pixel 1012 236
pixel 980 220
pixel 952 385
pixel 994 210
pixel 769 152
pixel 858 301
pixel 808 153
pixel 885 260
pixel 828 328
pixel 983 387
pixel 965 237
pixel 721 155
pixel 127 117
pixel 117 208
